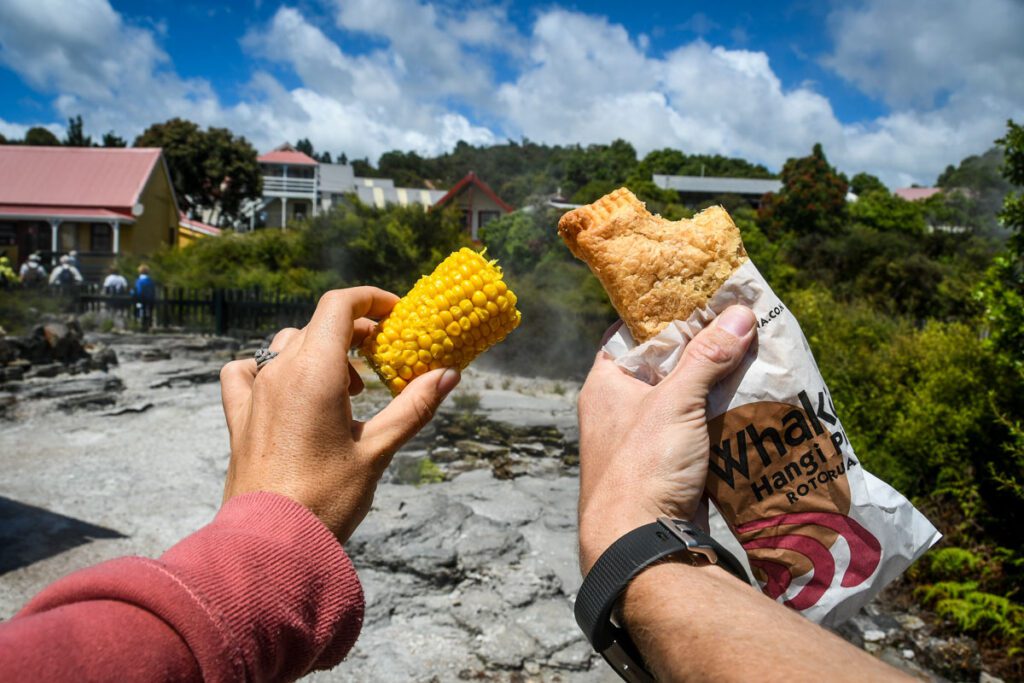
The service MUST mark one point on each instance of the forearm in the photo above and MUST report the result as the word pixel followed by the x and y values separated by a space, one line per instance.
pixel 264 592
pixel 702 624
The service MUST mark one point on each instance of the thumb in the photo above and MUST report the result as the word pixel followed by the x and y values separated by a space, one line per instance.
pixel 709 357
pixel 408 412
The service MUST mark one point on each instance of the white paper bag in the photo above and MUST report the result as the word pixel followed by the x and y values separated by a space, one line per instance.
pixel 823 536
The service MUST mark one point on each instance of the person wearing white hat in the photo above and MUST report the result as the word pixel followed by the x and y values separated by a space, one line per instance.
pixel 32 273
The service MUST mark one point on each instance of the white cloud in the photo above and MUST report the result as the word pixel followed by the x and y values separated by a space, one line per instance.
pixel 360 104
pixel 914 52
pixel 432 44
pixel 949 73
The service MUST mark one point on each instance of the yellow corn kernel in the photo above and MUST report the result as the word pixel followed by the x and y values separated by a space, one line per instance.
pixel 447 319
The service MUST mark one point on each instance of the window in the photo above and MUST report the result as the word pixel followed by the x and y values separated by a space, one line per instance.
pixel 101 238
pixel 67 237
pixel 487 216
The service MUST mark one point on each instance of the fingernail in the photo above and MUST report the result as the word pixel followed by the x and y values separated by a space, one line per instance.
pixel 448 380
pixel 737 321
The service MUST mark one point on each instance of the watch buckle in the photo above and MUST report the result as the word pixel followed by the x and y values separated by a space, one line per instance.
pixel 693 545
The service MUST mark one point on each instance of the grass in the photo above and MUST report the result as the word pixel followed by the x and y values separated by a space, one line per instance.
pixel 430 473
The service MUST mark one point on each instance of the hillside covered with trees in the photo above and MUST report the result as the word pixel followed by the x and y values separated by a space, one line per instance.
pixel 914 310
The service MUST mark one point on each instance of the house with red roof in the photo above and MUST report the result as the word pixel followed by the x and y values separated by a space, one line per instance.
pixel 479 203
pixel 100 202
pixel 290 187
pixel 296 186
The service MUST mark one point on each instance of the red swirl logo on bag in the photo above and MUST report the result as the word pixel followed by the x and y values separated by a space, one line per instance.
pixel 777 472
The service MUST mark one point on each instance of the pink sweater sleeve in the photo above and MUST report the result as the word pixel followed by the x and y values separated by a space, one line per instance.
pixel 264 592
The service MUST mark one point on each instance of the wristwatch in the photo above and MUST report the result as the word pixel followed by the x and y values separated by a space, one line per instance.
pixel 619 564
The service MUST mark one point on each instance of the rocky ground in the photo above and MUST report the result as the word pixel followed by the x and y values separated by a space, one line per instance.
pixel 467 560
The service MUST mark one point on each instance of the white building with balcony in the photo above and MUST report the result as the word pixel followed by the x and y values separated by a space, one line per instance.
pixel 296 186
pixel 291 192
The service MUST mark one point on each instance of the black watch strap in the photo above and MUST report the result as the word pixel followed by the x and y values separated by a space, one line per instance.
pixel 619 564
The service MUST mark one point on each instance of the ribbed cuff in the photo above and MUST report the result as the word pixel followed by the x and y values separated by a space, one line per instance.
pixel 264 592
pixel 277 581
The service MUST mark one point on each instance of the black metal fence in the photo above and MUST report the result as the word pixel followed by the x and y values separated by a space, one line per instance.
pixel 220 311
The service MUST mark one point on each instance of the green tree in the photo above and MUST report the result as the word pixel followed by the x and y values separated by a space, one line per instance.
pixel 76 136
pixel 862 183
pixel 812 200
pixel 41 137
pixel 112 139
pixel 210 169
pixel 364 169
pixel 613 163
pixel 520 240
pixel 389 248
pixel 305 146
pixel 885 212
pixel 406 168
pixel 1002 293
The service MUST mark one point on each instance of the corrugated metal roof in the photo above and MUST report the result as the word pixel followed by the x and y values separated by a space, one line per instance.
pixel 471 179
pixel 284 156
pixel 717 185
pixel 375 182
pixel 74 176
pixel 337 178
pixel 67 213
pixel 913 194
pixel 197 226
pixel 380 197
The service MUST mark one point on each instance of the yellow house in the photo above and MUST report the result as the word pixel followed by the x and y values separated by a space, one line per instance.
pixel 190 231
pixel 100 202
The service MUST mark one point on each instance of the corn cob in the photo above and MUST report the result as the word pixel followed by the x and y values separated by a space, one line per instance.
pixel 446 320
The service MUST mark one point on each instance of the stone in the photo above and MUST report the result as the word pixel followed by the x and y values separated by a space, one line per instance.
pixel 412 533
pixel 551 623
pixel 154 353
pixel 189 376
pixel 527 581
pixel 96 399
pixel 74 387
pixel 988 678
pixel 504 646
pixel 535 450
pixel 103 357
pixel 957 658
pixel 575 657
pixel 125 410
pixel 874 636
pixel 10 350
pixel 405 467
pixel 445 454
pixel 12 372
pixel 485 450
pixel 910 622
pixel 483 543
pixel 47 370
pixel 63 339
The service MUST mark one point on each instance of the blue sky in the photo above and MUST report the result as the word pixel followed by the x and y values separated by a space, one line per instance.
pixel 899 89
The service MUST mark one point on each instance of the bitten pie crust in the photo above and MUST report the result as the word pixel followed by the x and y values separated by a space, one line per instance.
pixel 654 270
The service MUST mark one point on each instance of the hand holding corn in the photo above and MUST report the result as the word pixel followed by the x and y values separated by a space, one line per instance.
pixel 447 319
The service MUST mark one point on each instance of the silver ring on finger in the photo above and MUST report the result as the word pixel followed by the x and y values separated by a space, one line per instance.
pixel 264 356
